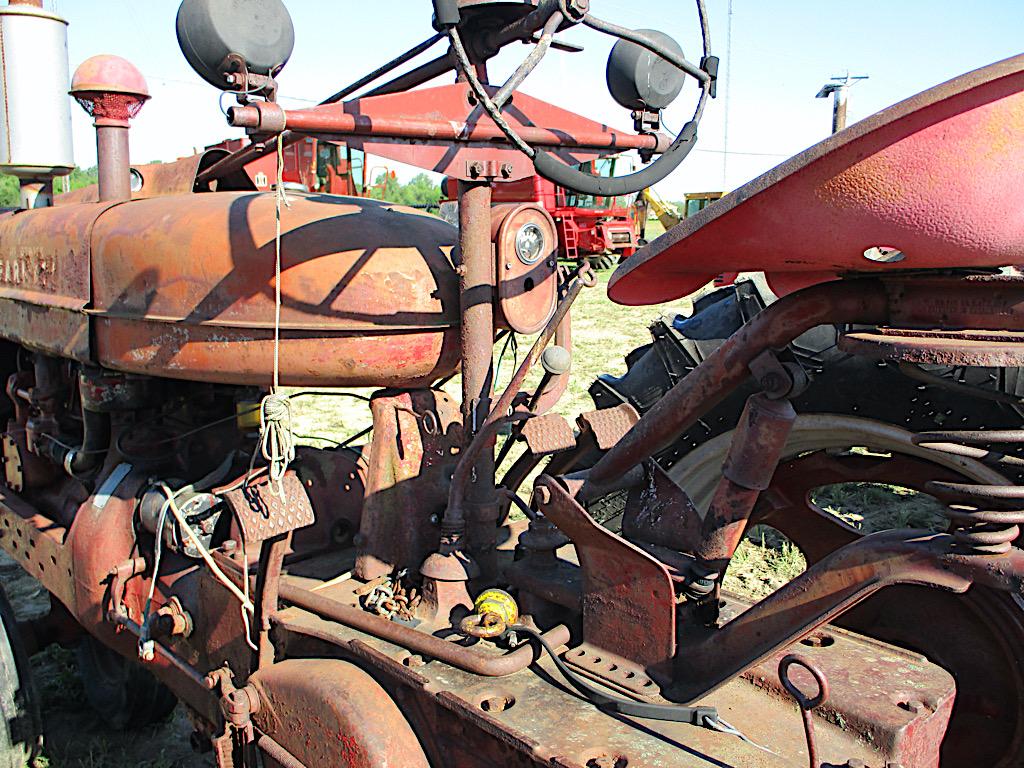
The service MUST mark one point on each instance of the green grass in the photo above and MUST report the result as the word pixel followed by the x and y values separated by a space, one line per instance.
pixel 766 560
pixel 603 333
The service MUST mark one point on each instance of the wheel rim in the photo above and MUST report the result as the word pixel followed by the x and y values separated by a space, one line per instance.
pixel 975 636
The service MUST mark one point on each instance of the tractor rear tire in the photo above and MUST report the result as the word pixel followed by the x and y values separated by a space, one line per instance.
pixel 21 729
pixel 123 693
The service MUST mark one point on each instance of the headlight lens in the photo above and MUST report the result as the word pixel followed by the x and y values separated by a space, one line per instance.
pixel 530 243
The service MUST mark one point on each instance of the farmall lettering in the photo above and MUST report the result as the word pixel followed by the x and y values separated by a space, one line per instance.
pixel 27 269
pixel 409 596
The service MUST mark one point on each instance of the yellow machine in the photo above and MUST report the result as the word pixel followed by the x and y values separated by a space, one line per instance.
pixel 649 201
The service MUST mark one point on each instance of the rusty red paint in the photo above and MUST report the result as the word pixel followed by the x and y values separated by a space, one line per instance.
pixel 182 289
pixel 527 292
pixel 441 701
pixel 757 446
pixel 416 437
pixel 468 659
pixel 369 293
pixel 920 177
pixel 317 710
pixel 824 591
pixel 106 73
pixel 988 349
pixel 628 601
pixel 980 629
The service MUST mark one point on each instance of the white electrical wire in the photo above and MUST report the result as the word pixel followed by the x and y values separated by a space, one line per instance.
pixel 204 553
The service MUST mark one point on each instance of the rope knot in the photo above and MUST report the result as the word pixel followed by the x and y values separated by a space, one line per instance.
pixel 277 441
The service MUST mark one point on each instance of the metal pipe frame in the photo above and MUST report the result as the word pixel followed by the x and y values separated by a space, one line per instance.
pixel 466 659
pixel 332 121
pixel 237 160
pixel 114 179
pixel 478 447
pixel 916 302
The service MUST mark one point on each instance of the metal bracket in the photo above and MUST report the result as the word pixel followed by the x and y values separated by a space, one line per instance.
pixel 628 599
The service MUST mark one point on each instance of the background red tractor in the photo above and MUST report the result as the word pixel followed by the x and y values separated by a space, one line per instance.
pixel 314 165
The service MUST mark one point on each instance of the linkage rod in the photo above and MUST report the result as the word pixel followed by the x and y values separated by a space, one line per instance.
pixel 247 154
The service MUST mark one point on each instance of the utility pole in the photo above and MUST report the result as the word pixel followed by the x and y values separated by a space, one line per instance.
pixel 839 88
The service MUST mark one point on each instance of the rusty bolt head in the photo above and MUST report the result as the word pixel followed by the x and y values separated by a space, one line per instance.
pixel 413 661
pixel 817 640
pixel 913 706
pixel 575 10
pixel 238 705
pixel 506 170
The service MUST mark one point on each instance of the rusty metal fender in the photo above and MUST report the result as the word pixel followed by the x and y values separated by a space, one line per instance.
pixel 331 714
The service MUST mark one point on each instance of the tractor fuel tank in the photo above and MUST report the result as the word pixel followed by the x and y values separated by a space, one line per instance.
pixel 183 287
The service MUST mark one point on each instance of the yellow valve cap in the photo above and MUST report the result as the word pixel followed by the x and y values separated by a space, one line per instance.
pixel 499 602
pixel 247 415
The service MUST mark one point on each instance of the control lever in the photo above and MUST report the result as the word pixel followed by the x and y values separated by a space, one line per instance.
pixel 807 703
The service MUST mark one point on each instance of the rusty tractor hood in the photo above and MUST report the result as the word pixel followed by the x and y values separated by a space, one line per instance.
pixel 183 286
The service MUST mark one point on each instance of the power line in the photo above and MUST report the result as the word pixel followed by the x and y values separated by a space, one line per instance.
pixel 746 154
pixel 728 93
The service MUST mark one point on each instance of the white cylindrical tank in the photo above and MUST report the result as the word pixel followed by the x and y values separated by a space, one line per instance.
pixel 35 109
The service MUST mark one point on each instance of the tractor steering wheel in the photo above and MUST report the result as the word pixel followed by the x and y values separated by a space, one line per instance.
pixel 559 13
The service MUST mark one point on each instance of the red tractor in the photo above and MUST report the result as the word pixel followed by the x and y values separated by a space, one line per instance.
pixel 599 229
pixel 312 165
pixel 398 601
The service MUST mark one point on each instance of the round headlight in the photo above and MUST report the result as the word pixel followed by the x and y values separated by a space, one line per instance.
pixel 530 243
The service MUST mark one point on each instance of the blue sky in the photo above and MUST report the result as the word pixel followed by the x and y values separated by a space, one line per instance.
pixel 781 53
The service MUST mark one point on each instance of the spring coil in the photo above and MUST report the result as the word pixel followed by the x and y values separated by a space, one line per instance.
pixel 986 519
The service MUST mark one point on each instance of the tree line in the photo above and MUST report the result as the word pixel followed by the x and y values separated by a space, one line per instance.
pixel 78 178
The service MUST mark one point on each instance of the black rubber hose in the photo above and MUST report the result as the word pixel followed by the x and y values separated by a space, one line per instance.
pixel 705 717
pixel 555 170
pixel 95 442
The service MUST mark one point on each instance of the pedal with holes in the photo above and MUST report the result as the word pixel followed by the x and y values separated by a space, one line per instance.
pixel 617 673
